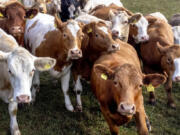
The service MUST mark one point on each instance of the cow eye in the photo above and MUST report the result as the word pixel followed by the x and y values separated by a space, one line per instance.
pixel 64 35
pixel 10 72
pixel 115 83
pixel 168 60
pixel 140 85
pixel 96 35
pixel 125 22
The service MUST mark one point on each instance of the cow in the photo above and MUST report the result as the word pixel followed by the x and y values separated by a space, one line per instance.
pixel 124 22
pixel 13 19
pixel 160 55
pixel 98 39
pixel 17 70
pixel 176 32
pixel 175 20
pixel 91 4
pixel 46 35
pixel 116 82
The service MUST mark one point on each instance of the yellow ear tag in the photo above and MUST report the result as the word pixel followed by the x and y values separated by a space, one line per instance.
pixel 1 15
pixel 103 76
pixel 150 88
pixel 47 66
pixel 89 31
pixel 31 16
pixel 55 25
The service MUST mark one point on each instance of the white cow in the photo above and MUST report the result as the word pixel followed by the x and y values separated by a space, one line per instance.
pixel 93 3
pixel 17 70
pixel 176 31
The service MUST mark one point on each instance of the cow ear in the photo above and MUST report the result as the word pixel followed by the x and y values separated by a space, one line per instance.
pixel 111 14
pixel 88 28
pixel 134 19
pixel 104 72
pixel 31 13
pixel 2 12
pixel 3 56
pixel 57 22
pixel 162 50
pixel 44 63
pixel 154 79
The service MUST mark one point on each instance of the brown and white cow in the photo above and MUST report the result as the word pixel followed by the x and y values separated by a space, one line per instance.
pixel 117 81
pixel 14 19
pixel 124 23
pixel 17 71
pixel 47 36
pixel 97 39
pixel 160 54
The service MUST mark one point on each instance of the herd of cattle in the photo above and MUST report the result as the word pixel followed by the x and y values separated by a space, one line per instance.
pixel 103 43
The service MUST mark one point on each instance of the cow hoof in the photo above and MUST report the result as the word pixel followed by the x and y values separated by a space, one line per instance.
pixel 70 108
pixel 17 132
pixel 172 105
pixel 148 125
pixel 78 108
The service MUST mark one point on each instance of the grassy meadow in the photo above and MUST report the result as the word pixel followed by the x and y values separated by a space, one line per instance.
pixel 48 115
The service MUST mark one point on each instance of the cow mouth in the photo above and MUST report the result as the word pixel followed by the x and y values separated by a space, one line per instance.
pixel 75 57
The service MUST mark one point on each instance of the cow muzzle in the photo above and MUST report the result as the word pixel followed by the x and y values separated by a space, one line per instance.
pixel 75 53
pixel 16 30
pixel 23 99
pixel 126 109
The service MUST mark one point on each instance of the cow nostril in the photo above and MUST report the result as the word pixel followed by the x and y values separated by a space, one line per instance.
pixel 72 52
pixel 114 46
pixel 133 108
pixel 122 107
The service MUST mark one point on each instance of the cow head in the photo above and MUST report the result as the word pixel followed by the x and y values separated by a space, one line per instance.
pixel 170 60
pixel 139 30
pixel 15 14
pixel 125 87
pixel 71 37
pixel 176 32
pixel 20 69
pixel 120 23
pixel 100 37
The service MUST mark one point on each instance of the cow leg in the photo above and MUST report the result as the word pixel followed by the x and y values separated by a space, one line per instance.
pixel 13 121
pixel 65 87
pixel 35 85
pixel 112 126
pixel 168 88
pixel 78 90
pixel 141 117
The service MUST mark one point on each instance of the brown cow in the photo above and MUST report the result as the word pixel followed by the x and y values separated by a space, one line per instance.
pixel 117 82
pixel 61 41
pixel 98 39
pixel 14 19
pixel 160 55
pixel 133 25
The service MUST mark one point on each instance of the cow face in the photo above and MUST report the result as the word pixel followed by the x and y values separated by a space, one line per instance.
pixel 170 60
pixel 120 23
pixel 124 86
pixel 71 37
pixel 20 69
pixel 176 32
pixel 100 37
pixel 139 30
pixel 15 15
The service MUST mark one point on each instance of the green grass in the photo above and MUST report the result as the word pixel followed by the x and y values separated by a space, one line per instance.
pixel 48 115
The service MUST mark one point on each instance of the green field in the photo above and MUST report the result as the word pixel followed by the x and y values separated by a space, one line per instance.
pixel 48 115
